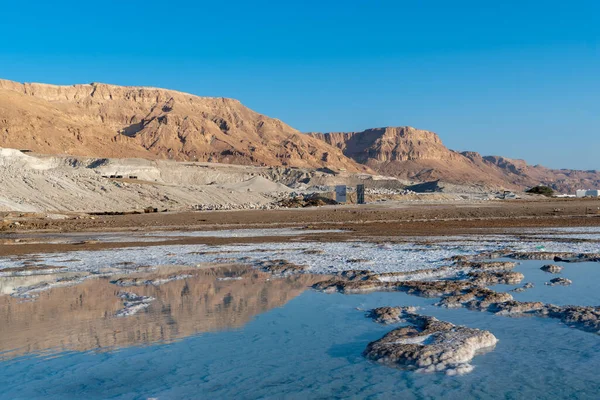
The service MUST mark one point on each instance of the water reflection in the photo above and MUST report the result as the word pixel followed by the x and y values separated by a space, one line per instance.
pixel 83 317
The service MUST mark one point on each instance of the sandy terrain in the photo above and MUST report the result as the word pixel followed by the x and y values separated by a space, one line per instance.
pixel 46 183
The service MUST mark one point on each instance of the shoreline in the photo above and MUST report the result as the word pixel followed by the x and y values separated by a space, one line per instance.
pixel 371 223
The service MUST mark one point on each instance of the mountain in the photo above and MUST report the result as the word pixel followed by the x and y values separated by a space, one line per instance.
pixel 100 120
pixel 420 155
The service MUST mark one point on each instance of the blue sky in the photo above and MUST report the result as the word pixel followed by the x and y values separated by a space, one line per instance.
pixel 514 78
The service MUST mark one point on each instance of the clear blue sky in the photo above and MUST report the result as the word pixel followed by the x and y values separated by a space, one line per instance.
pixel 514 78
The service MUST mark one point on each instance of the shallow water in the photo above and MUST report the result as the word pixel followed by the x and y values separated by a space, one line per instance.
pixel 258 337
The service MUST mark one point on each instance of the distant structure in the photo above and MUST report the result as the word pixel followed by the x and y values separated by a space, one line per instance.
pixel 360 194
pixel 340 193
pixel 588 193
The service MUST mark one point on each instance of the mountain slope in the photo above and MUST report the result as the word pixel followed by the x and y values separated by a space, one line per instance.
pixel 420 155
pixel 102 120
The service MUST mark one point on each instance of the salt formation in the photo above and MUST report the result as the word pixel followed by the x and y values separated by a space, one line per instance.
pixel 523 288
pixel 552 268
pixel 559 281
pixel 429 345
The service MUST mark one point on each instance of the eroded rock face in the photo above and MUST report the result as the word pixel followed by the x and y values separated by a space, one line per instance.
pixel 102 120
pixel 429 345
pixel 559 281
pixel 552 268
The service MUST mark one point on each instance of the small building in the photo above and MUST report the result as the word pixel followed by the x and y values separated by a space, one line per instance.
pixel 340 193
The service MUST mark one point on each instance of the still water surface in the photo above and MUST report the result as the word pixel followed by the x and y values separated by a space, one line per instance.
pixel 237 333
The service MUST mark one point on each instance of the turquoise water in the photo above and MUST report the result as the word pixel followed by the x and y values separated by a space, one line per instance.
pixel 311 348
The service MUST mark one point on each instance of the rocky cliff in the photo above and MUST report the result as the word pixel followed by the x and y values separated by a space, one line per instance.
pixel 420 155
pixel 102 120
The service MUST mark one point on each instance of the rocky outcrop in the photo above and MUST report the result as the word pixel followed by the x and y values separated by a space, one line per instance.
pixel 429 345
pixel 389 144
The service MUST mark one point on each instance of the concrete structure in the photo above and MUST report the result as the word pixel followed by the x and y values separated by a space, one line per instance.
pixel 340 193
pixel 360 194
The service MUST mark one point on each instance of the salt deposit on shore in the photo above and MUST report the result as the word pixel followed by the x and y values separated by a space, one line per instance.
pixel 414 259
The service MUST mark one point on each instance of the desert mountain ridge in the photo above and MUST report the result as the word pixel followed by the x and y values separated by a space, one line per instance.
pixel 102 120
pixel 419 155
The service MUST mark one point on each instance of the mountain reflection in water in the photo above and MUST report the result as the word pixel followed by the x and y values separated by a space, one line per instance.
pixel 82 317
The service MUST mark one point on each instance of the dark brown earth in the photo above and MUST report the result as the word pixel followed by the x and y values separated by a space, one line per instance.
pixel 369 222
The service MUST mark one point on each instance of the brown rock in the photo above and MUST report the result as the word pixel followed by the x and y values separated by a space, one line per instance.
pixel 102 120
pixel 420 155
